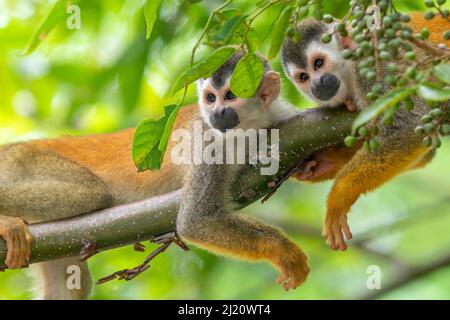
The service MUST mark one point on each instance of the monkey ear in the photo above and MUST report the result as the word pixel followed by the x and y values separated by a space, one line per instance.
pixel 270 88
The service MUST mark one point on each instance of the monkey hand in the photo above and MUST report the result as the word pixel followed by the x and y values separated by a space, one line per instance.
pixel 350 104
pixel 314 170
pixel 294 268
pixel 335 228
pixel 18 241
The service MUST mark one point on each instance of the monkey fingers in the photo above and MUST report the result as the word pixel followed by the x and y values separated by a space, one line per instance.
pixel 336 227
pixel 18 241
pixel 294 271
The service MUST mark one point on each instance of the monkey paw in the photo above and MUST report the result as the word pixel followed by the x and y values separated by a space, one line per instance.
pixel 18 241
pixel 313 170
pixel 335 228
pixel 294 270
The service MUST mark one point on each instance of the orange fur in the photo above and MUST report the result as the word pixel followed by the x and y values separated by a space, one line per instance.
pixel 436 26
pixel 109 157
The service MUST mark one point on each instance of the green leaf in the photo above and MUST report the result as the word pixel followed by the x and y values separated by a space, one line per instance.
pixel 381 105
pixel 247 76
pixel 57 14
pixel 432 92
pixel 226 31
pixel 204 68
pixel 279 33
pixel 151 14
pixel 147 140
pixel 442 72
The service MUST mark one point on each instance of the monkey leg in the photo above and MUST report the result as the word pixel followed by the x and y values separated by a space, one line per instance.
pixel 242 237
pixel 18 240
pixel 62 279
pixel 365 172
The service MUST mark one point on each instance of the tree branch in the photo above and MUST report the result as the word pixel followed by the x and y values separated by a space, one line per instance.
pixel 300 136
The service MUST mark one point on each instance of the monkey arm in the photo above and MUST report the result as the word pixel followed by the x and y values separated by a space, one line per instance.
pixel 300 136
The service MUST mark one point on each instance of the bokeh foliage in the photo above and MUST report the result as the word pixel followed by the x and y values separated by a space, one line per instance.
pixel 107 76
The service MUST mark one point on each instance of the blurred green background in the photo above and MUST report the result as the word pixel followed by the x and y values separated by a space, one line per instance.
pixel 106 76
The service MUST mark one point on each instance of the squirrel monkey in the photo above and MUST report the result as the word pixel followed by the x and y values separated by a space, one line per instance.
pixel 46 180
pixel 205 217
pixel 319 71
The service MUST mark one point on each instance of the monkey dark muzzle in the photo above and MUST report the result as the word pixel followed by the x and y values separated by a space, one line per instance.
pixel 224 119
pixel 326 88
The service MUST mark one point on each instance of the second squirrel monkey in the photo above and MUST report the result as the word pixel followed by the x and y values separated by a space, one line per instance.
pixel 319 71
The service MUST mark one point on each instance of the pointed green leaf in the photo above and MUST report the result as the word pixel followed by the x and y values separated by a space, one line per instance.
pixel 247 76
pixel 279 32
pixel 151 14
pixel 57 14
pixel 147 139
pixel 382 104
pixel 442 72
pixel 432 92
pixel 204 68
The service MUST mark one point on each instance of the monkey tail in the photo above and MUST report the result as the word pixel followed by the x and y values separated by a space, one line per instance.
pixel 62 279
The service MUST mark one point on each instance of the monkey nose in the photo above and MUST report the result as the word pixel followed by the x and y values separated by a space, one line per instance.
pixel 224 119
pixel 326 87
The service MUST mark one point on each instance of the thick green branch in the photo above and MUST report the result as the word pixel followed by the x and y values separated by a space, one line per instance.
pixel 114 227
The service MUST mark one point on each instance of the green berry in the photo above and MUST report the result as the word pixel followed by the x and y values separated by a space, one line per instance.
pixel 441 2
pixel 429 3
pixel 410 55
pixel 447 35
pixel 384 55
pixel 445 129
pixel 426 119
pixel 425 34
pixel 326 38
pixel 427 142
pixel 363 132
pixel 371 75
pixel 429 127
pixel 419 130
pixel 341 27
pixel 350 141
pixel 436 142
pixel 328 18
pixel 436 113
pixel 406 18
pixel 347 54
pixel 429 15
pixel 392 67
pixel 374 144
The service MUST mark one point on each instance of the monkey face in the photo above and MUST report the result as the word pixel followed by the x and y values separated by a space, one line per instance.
pixel 218 106
pixel 318 70
pixel 223 111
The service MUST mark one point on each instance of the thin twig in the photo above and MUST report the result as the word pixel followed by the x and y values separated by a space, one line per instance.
pixel 129 274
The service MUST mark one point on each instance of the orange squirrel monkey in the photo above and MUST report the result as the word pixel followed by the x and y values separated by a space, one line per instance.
pixel 320 72
pixel 47 180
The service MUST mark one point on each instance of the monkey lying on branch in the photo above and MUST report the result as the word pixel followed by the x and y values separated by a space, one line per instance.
pixel 300 136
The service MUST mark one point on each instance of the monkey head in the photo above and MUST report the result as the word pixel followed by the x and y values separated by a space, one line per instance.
pixel 317 69
pixel 223 110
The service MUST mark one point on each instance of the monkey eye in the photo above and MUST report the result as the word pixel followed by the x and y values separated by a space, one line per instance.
pixel 318 64
pixel 229 95
pixel 211 98
pixel 304 77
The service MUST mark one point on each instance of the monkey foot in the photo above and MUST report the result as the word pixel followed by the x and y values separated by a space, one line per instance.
pixel 294 271
pixel 336 227
pixel 18 241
